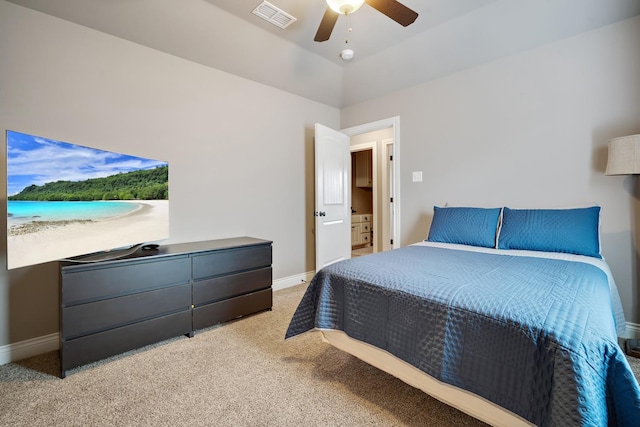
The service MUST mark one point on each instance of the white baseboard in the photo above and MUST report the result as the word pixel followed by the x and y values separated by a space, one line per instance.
pixel 27 348
pixel 287 282
pixel 633 331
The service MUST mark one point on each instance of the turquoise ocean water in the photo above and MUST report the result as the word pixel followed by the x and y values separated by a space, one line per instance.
pixel 20 212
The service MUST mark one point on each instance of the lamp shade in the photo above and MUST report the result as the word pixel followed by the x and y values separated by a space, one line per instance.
pixel 345 6
pixel 624 156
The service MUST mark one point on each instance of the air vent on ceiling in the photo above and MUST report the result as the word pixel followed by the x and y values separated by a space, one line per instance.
pixel 276 16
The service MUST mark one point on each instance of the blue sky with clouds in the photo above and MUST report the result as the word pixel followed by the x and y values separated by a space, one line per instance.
pixel 35 160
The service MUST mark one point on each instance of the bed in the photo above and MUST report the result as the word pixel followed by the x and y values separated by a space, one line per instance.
pixel 511 316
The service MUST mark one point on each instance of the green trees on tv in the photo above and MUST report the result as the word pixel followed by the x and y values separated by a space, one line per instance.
pixel 151 184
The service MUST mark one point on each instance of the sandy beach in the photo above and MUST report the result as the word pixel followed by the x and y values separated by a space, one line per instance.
pixel 42 241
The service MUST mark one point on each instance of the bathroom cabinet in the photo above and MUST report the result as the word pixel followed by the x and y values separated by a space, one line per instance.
pixel 361 230
pixel 363 169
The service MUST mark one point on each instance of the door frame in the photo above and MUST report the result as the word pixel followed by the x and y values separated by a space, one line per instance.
pixel 394 123
pixel 386 191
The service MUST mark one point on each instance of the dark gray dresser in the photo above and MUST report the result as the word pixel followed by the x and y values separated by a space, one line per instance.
pixel 109 307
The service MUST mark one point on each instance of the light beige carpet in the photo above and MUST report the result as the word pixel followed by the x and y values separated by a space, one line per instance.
pixel 239 374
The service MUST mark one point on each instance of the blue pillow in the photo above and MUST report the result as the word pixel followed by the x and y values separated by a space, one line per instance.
pixel 573 231
pixel 466 226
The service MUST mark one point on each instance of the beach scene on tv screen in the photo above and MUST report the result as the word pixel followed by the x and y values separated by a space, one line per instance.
pixel 66 200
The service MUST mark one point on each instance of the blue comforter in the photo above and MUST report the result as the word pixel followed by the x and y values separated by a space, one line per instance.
pixel 534 335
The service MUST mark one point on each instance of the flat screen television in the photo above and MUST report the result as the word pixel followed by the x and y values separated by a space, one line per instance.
pixel 72 201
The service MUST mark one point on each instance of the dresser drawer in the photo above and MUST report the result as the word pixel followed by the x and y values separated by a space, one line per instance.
pixel 365 227
pixel 97 316
pixel 104 344
pixel 91 283
pixel 210 290
pixel 223 311
pixel 230 261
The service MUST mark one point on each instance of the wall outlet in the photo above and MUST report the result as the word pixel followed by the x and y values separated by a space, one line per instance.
pixel 417 176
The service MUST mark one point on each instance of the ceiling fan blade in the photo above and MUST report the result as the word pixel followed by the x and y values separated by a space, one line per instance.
pixel 326 25
pixel 394 10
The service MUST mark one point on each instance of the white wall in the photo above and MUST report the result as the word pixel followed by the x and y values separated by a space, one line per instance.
pixel 529 130
pixel 239 152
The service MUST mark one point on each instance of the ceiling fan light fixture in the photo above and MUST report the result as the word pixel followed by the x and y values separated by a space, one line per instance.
pixel 345 6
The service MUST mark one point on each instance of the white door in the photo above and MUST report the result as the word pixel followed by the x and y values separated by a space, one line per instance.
pixel 333 198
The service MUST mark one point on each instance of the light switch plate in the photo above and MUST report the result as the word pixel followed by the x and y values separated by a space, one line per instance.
pixel 417 176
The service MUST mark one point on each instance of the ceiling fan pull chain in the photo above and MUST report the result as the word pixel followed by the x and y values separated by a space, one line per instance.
pixel 347 53
pixel 349 29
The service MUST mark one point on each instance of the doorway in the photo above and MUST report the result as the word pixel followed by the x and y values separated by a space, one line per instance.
pixel 364 203
pixel 333 188
pixel 380 141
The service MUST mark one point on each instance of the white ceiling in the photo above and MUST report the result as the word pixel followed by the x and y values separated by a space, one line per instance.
pixel 371 30
pixel 448 36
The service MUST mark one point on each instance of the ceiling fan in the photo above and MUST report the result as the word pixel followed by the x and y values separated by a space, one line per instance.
pixel 391 8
